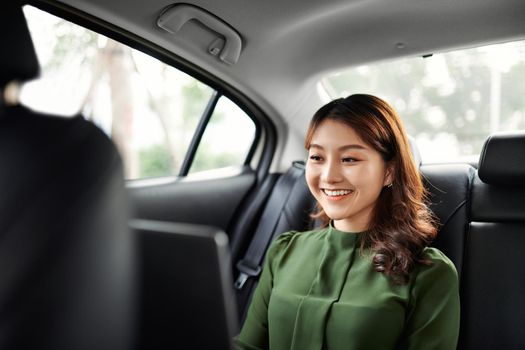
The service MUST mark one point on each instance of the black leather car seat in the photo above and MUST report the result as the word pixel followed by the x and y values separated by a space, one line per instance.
pixel 449 188
pixel 66 256
pixel 493 278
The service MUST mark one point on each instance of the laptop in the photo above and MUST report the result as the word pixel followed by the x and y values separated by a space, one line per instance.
pixel 187 300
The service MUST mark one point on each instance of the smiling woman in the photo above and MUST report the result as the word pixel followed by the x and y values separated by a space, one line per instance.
pixel 367 279
pixel 380 156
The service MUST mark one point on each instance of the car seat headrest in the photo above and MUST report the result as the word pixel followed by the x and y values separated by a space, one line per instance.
pixel 18 60
pixel 502 160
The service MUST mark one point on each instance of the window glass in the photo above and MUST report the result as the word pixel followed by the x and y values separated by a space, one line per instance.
pixel 149 109
pixel 226 140
pixel 449 102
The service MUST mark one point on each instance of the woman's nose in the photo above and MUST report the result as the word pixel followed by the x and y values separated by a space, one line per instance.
pixel 331 173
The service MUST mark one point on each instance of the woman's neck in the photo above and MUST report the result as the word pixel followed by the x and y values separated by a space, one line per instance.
pixel 347 226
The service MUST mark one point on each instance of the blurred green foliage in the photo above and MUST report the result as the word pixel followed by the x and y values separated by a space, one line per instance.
pixel 206 159
pixel 155 161
pixel 458 84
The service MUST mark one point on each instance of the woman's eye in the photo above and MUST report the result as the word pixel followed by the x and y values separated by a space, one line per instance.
pixel 349 160
pixel 315 158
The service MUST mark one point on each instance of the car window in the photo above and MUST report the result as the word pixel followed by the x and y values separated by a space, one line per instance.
pixel 449 102
pixel 150 109
pixel 226 140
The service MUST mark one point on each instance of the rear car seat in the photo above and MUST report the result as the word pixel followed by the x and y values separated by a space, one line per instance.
pixel 448 186
pixel 493 277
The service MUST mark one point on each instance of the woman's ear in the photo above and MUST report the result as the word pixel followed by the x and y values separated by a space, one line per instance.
pixel 389 175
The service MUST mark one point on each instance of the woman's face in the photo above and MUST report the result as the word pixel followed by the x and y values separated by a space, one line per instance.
pixel 345 175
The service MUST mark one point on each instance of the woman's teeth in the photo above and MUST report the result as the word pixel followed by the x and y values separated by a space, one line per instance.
pixel 336 193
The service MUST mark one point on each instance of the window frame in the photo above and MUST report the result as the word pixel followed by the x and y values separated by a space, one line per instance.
pixel 263 124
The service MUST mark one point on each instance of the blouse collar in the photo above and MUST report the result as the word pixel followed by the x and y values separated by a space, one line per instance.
pixel 342 238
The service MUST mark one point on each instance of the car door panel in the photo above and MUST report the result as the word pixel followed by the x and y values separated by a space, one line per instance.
pixel 207 201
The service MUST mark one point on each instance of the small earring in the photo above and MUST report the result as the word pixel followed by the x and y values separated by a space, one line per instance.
pixel 390 185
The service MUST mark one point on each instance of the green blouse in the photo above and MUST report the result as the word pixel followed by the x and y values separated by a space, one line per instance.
pixel 317 292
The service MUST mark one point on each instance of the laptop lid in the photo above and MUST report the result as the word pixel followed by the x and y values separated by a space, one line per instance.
pixel 187 298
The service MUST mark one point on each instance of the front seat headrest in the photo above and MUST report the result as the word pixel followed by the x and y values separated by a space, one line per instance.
pixel 18 60
pixel 502 160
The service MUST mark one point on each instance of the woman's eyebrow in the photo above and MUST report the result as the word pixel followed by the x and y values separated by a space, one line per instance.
pixel 314 145
pixel 353 146
pixel 342 148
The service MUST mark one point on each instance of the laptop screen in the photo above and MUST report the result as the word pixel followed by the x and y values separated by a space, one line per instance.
pixel 186 289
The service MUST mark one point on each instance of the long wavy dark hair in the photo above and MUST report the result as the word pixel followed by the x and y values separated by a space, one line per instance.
pixel 402 225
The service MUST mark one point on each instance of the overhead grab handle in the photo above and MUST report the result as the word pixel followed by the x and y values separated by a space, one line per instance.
pixel 175 16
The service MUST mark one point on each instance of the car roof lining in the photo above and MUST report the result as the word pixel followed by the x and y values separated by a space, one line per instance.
pixel 299 40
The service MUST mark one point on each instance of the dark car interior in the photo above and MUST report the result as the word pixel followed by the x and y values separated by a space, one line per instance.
pixel 74 272
pixel 68 261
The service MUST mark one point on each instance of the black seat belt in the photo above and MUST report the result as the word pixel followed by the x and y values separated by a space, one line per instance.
pixel 250 265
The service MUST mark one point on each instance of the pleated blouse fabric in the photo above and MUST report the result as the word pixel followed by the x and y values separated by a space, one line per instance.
pixel 317 291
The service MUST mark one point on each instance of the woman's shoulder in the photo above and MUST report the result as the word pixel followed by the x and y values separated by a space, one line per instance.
pixel 292 239
pixel 299 237
pixel 440 265
pixel 437 256
pixel 435 283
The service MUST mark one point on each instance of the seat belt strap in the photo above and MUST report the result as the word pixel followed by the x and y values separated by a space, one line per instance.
pixel 250 265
